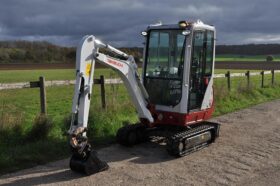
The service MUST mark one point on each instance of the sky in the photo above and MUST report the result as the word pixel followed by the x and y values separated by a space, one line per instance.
pixel 120 22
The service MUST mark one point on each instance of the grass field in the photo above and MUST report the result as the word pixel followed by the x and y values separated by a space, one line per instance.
pixel 245 57
pixel 224 71
pixel 19 108
pixel 8 76
pixel 236 57
pixel 11 76
pixel 20 147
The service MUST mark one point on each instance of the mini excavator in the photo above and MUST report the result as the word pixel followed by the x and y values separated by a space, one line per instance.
pixel 173 97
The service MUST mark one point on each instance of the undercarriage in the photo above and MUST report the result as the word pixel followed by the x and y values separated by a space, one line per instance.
pixel 180 141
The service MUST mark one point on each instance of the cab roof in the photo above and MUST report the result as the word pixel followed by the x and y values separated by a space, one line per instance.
pixel 197 23
pixel 169 26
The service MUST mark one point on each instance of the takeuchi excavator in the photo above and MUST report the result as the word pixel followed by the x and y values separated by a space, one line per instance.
pixel 173 97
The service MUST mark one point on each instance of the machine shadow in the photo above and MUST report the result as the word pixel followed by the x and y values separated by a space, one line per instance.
pixel 54 178
pixel 146 153
pixel 150 152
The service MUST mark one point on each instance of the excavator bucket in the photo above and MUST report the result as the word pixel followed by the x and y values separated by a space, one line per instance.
pixel 89 165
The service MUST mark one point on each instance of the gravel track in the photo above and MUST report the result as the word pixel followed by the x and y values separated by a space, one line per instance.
pixel 247 153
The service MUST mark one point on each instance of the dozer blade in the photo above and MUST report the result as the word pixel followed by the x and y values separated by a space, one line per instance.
pixel 90 165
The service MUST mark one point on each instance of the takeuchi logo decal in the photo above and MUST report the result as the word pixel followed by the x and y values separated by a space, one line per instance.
pixel 116 63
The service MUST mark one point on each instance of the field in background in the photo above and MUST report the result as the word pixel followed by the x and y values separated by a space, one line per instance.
pixel 231 57
pixel 12 76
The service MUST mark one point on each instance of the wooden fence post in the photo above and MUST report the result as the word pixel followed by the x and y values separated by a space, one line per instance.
pixel 248 78
pixel 262 73
pixel 228 79
pixel 272 78
pixel 43 99
pixel 102 88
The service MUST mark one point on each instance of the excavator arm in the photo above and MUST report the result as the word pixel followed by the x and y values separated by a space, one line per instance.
pixel 84 159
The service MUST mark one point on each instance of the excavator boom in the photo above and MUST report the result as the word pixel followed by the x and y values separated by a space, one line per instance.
pixel 87 54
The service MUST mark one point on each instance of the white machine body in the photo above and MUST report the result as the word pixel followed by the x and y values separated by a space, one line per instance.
pixel 177 81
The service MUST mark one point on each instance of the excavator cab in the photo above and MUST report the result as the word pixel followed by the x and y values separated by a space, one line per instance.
pixel 164 66
pixel 178 71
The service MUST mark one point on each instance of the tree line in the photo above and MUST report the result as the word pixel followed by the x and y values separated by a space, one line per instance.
pixel 35 52
pixel 250 49
pixel 44 52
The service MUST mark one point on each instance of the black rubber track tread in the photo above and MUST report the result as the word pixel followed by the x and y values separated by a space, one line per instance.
pixel 122 134
pixel 174 140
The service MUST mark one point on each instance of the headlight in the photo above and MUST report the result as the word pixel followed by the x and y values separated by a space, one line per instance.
pixel 183 24
pixel 144 33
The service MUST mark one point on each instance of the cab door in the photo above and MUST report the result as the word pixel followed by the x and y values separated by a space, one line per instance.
pixel 200 66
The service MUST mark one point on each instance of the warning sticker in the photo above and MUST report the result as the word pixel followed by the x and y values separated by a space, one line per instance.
pixel 88 68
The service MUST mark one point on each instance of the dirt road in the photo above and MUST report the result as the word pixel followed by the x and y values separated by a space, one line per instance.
pixel 247 153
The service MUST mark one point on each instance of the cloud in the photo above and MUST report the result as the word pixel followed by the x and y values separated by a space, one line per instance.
pixel 119 22
pixel 264 38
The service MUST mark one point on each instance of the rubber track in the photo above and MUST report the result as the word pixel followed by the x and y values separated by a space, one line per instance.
pixel 123 132
pixel 173 141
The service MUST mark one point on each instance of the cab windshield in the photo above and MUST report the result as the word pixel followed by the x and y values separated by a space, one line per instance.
pixel 164 66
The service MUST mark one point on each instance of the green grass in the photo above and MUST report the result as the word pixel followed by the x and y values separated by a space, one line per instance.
pixel 242 96
pixel 234 57
pixel 245 57
pixel 223 71
pixel 19 108
pixel 10 76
